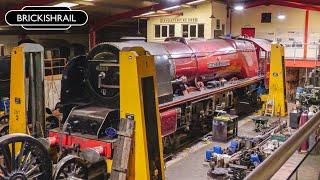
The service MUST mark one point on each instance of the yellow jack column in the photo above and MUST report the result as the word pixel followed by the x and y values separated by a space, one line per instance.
pixel 27 90
pixel 18 116
pixel 139 102
pixel 277 84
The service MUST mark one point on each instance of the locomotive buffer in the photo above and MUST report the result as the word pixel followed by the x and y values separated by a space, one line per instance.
pixel 139 156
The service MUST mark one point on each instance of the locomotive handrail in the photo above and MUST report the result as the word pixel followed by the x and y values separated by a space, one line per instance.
pixel 275 161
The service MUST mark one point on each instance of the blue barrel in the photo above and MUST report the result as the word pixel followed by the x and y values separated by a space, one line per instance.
pixel 217 149
pixel 208 154
pixel 255 159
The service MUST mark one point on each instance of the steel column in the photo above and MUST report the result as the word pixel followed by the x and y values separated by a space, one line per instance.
pixel 306 32
pixel 92 39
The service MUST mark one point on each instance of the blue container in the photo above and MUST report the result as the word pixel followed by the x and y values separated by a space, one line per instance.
pixel 233 146
pixel 209 154
pixel 217 149
pixel 255 159
pixel 300 90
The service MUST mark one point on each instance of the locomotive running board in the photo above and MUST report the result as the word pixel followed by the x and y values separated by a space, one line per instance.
pixel 194 96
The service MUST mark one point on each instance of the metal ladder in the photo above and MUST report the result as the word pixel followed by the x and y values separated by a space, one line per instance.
pixel 269 111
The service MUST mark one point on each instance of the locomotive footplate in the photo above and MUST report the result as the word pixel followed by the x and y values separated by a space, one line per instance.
pixel 86 127
pixel 194 96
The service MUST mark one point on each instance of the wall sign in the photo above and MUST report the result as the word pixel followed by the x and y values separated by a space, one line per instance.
pixel 178 20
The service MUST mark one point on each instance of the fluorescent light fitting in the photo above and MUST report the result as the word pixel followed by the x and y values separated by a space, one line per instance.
pixel 195 2
pixel 238 8
pixel 171 8
pixel 66 4
pixel 281 16
pixel 148 13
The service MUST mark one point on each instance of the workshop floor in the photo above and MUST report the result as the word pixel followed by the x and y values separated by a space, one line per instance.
pixel 189 164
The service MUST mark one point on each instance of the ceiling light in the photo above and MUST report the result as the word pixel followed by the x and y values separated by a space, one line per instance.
pixel 195 2
pixel 281 16
pixel 171 8
pixel 238 8
pixel 66 4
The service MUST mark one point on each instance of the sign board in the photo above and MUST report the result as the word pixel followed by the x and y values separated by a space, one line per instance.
pixel 179 20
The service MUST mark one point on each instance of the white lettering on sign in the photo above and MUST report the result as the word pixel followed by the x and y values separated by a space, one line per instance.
pixel 218 64
pixel 178 20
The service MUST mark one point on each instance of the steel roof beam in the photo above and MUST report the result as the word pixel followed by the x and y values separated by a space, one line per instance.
pixel 307 5
pixel 295 5
pixel 24 3
pixel 129 14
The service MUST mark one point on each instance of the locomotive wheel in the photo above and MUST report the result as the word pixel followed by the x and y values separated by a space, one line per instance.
pixel 71 167
pixel 23 157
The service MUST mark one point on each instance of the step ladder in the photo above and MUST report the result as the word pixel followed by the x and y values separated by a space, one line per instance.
pixel 122 150
pixel 269 111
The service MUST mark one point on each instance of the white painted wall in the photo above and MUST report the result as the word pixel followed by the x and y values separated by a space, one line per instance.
pixel 202 12
pixel 287 31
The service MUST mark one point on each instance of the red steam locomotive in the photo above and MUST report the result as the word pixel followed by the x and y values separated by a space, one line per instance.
pixel 194 77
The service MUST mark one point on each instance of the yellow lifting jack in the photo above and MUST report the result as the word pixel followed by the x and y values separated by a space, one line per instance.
pixel 275 101
pixel 139 156
pixel 27 90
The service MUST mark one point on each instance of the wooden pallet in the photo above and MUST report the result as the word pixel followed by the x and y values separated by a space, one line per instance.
pixel 122 150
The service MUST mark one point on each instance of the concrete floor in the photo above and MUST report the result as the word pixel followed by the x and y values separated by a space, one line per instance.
pixel 189 164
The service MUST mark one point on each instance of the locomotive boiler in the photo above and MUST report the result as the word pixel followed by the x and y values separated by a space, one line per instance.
pixel 194 79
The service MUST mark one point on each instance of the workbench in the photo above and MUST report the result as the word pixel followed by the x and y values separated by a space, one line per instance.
pixel 224 127
pixel 261 122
